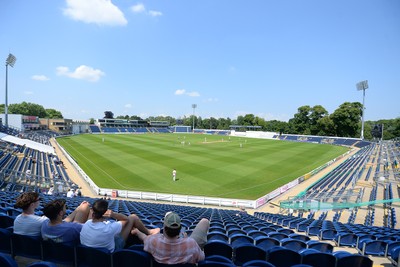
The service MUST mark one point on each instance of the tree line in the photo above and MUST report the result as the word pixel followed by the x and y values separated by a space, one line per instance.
pixel 31 109
pixel 345 121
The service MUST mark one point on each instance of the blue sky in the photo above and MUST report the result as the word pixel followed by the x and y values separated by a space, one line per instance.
pixel 230 57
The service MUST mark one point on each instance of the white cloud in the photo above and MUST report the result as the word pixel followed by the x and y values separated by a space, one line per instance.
pixel 183 92
pixel 180 91
pixel 82 73
pixel 138 8
pixel 40 78
pixel 210 99
pixel 28 92
pixel 101 12
pixel 154 13
pixel 128 106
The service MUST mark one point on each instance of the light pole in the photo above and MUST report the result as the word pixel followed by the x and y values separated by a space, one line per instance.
pixel 194 106
pixel 362 86
pixel 10 61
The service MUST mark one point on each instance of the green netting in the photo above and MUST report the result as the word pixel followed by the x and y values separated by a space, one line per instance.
pixel 320 205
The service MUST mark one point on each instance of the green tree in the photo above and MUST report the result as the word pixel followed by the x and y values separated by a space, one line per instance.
pixel 240 120
pixel 223 124
pixel 249 120
pixel 134 117
pixel 28 109
pixel 300 123
pixel 325 127
pixel 347 118
pixel 53 114
pixel 316 113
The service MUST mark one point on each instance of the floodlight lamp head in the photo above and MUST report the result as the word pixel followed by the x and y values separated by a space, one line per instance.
pixel 362 85
pixel 10 61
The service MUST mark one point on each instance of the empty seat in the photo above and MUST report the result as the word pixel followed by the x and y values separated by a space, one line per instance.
pixel 58 252
pixel 247 252
pixel 88 256
pixel 293 244
pixel 346 259
pixel 5 241
pixel 126 257
pixel 320 246
pixel 283 257
pixel 317 259
pixel 7 261
pixel 26 246
pixel 217 247
pixel 267 242
pixel 258 263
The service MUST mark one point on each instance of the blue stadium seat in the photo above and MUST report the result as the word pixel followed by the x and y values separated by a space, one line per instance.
pixel 293 244
pixel 88 257
pixel 26 246
pixel 42 264
pixel 216 247
pixel 267 242
pixel 59 253
pixel 247 252
pixel 283 257
pixel 258 263
pixel 317 259
pixel 7 261
pixel 5 241
pixel 346 259
pixel 126 257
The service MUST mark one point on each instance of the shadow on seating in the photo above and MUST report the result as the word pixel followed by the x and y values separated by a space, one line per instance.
pixel 88 256
pixel 283 257
pixel 7 261
pixel 217 247
pixel 128 257
pixel 26 246
pixel 58 252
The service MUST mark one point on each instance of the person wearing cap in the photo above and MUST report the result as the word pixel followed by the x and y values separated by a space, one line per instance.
pixel 27 223
pixel 173 248
pixel 100 232
pixel 60 229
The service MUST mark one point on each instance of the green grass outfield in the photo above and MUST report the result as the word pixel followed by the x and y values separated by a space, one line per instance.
pixel 211 165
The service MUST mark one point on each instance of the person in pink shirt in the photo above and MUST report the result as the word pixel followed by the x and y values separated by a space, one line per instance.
pixel 173 247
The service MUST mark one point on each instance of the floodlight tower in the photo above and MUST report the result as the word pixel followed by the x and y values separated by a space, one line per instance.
pixel 194 106
pixel 362 86
pixel 10 61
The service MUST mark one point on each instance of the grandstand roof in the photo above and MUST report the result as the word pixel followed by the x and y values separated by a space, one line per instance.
pixel 28 143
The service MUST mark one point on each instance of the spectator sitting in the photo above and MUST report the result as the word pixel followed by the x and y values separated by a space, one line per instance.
pixel 99 232
pixel 70 193
pixel 27 223
pixel 51 191
pixel 64 230
pixel 28 174
pixel 173 248
pixel 78 193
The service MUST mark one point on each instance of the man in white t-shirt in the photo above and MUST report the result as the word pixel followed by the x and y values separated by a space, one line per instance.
pixel 99 232
pixel 27 223
pixel 70 193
